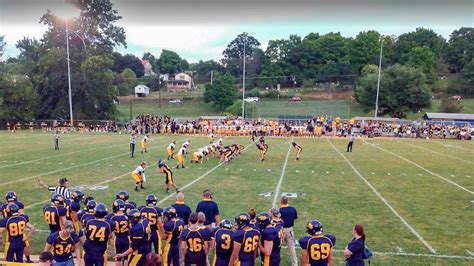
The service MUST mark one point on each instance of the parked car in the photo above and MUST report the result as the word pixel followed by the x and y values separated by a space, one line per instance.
pixel 175 101
pixel 251 99
pixel 295 99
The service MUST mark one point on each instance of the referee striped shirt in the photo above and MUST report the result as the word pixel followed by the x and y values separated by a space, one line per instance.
pixel 63 191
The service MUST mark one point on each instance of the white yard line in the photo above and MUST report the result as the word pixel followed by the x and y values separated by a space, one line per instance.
pixel 439 153
pixel 385 201
pixel 196 180
pixel 280 181
pixel 72 167
pixel 421 167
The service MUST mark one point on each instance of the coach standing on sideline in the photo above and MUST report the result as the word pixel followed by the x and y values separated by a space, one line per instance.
pixel 182 210
pixel 351 142
pixel 61 189
pixel 209 208
pixel 289 215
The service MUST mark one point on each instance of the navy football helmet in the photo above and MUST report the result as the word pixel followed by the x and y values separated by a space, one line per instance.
pixel 100 210
pixel 242 219
pixel 12 209
pixel 314 227
pixel 57 200
pixel 170 213
pixel 134 216
pixel 90 206
pixel 119 205
pixel 123 195
pixel 226 223
pixel 133 203
pixel 263 219
pixel 77 196
pixel 151 199
pixel 11 196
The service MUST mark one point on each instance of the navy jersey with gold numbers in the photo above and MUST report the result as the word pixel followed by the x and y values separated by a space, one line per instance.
pixel 97 233
pixel 195 239
pixel 14 245
pixel 122 224
pixel 271 233
pixel 318 247
pixel 53 217
pixel 248 238
pixel 224 242
pixel 62 247
pixel 152 214
pixel 4 207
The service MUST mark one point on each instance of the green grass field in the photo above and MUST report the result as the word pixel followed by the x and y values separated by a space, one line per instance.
pixel 414 197
pixel 270 108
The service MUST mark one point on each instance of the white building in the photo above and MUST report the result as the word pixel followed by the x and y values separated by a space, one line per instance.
pixel 141 91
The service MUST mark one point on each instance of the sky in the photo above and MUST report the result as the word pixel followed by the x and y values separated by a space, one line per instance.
pixel 201 29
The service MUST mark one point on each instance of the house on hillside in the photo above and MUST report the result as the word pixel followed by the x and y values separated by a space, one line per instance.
pixel 182 81
pixel 141 91
pixel 148 68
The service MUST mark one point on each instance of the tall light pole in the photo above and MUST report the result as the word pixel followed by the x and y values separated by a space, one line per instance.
pixel 243 81
pixel 378 79
pixel 69 76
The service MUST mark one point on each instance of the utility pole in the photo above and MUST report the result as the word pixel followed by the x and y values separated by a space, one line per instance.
pixel 378 79
pixel 69 76
pixel 243 81
pixel 212 76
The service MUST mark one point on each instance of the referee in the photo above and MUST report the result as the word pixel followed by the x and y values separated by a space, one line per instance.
pixel 61 189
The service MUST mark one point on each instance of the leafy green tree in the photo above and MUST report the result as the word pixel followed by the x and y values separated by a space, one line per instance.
pixel 20 100
pixel 369 69
pixel 235 108
pixel 424 59
pixel 365 49
pixel 203 69
pixel 450 106
pixel 222 92
pixel 122 62
pixel 468 73
pixel 460 49
pixel 402 90
pixel 234 53
pixel 128 82
pixel 169 62
pixel 420 37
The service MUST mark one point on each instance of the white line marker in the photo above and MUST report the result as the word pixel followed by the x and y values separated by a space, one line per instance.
pixel 421 167
pixel 399 249
pixel 439 153
pixel 60 163
pixel 123 165
pixel 468 176
pixel 388 174
pixel 385 201
pixel 278 187
pixel 269 170
pixel 297 171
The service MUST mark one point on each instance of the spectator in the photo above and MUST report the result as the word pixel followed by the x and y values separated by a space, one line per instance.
pixel 289 215
pixel 209 208
pixel 61 189
pixel 354 251
pixel 182 209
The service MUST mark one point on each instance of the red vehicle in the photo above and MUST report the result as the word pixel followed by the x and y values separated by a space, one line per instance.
pixel 294 99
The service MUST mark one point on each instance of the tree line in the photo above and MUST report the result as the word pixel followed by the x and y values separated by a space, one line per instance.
pixel 33 85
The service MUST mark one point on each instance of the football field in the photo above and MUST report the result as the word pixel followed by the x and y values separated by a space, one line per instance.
pixel 415 197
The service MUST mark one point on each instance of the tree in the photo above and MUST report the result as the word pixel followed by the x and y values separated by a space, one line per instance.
pixel 420 37
pixel 121 62
pixel 169 62
pixel 460 49
pixel 129 81
pixel 203 69
pixel 222 92
pixel 20 100
pixel 424 59
pixel 234 53
pixel 402 89
pixel 450 106
pixel 365 49
pixel 152 59
pixel 2 45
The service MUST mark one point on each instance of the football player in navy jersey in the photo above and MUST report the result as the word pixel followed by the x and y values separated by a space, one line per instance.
pixel 164 168
pixel 87 214
pixel 55 214
pixel 153 214
pixel 317 249
pixel 222 243
pixel 123 195
pixel 173 226
pixel 270 241
pixel 98 231
pixel 246 241
pixel 11 197
pixel 195 242
pixel 63 244
pixel 73 206
pixel 121 230
pixel 140 247
pixel 14 224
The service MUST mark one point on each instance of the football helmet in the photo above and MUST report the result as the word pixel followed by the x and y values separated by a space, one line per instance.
pixel 118 205
pixel 226 223
pixel 11 196
pixel 151 199
pixel 134 216
pixel 57 200
pixel 123 195
pixel 242 219
pixel 314 227
pixel 100 210
pixel 77 196
pixel 169 213
pixel 263 219
pixel 12 209
pixel 90 206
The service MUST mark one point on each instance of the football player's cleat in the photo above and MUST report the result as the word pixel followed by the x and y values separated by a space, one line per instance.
pixel 118 205
pixel 151 199
pixel 100 211
pixel 242 219
pixel 314 227
pixel 226 223
pixel 58 200
pixel 263 219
